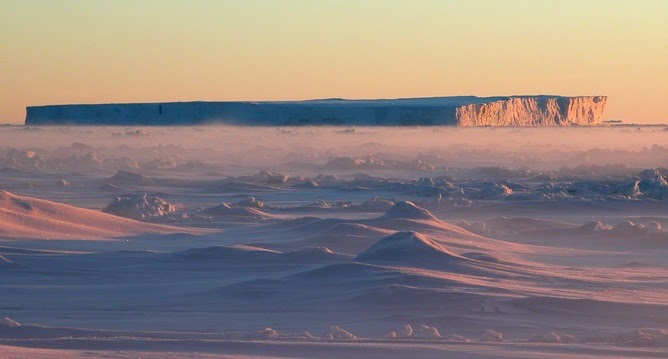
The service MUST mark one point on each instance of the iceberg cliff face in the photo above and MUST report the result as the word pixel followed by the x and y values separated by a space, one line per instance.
pixel 534 111
pixel 453 111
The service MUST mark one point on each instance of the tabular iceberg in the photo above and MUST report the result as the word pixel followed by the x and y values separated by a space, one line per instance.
pixel 453 111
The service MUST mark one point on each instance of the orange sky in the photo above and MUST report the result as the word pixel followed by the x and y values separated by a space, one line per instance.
pixel 144 51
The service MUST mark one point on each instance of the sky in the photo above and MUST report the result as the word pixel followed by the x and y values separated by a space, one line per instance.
pixel 81 51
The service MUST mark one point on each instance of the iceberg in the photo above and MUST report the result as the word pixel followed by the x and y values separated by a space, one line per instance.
pixel 540 110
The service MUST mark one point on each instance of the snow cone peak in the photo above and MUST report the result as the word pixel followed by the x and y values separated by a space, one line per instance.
pixel 408 210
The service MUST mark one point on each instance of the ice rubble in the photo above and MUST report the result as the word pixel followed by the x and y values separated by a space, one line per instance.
pixel 140 207
pixel 375 205
pixel 553 338
pixel 649 184
pixel 492 336
pixel 249 202
pixel 451 192
pixel 337 333
pixel 268 177
pixel 643 337
pixel 373 163
pixel 423 332
pixel 426 332
pixel 264 334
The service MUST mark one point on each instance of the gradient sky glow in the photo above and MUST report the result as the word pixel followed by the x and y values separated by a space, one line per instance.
pixel 68 51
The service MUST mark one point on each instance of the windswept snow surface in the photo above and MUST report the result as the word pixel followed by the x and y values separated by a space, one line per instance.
pixel 221 242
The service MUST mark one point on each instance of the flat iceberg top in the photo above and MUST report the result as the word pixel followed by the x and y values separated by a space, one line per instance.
pixel 408 101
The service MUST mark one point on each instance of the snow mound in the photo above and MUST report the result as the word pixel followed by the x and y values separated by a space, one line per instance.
pixel 320 204
pixel 345 237
pixel 26 217
pixel 349 163
pixel 375 205
pixel 629 190
pixel 408 210
pixel 249 202
pixel 426 332
pixel 553 338
pixel 372 163
pixel 273 177
pixel 429 187
pixel 335 272
pixel 264 334
pixel 307 184
pixel 492 336
pixel 654 227
pixel 407 331
pixel 593 227
pixel 128 178
pixel 141 207
pixel 628 228
pixel 457 338
pixel 644 337
pixel 346 229
pixel 391 335
pixel 408 248
pixel 267 177
pixel 8 322
pixel 305 336
pixel 336 333
pixel 493 190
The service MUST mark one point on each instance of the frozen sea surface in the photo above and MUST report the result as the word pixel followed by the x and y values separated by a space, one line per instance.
pixel 333 242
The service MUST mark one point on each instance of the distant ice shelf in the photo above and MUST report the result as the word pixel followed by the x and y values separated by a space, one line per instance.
pixel 543 110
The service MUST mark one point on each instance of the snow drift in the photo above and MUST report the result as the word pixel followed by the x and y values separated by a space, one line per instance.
pixel 26 217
